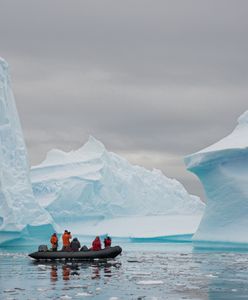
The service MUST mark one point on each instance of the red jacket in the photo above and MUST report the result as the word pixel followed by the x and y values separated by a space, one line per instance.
pixel 107 242
pixel 96 244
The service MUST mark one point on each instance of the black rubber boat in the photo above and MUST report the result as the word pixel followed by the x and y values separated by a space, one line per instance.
pixel 110 252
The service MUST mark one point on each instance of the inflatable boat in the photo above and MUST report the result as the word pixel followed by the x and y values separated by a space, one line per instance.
pixel 110 252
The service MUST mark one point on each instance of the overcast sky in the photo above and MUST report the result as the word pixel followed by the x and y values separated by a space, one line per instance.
pixel 153 80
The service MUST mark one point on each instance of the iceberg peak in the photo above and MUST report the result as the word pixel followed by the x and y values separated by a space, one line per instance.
pixel 237 139
pixel 91 150
pixel 243 119
pixel 92 146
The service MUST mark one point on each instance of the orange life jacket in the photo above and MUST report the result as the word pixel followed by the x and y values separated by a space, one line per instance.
pixel 66 239
pixel 54 240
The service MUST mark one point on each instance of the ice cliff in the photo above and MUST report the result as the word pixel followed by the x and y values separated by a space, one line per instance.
pixel 108 194
pixel 223 171
pixel 19 210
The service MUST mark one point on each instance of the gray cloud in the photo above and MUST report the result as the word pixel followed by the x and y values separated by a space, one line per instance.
pixel 153 80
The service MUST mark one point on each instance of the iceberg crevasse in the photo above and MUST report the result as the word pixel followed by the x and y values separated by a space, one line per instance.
pixel 223 171
pixel 18 207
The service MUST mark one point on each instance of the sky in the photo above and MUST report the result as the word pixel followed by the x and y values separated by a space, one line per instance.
pixel 153 80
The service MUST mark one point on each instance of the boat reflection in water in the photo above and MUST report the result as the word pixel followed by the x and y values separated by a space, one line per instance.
pixel 67 271
pixel 54 273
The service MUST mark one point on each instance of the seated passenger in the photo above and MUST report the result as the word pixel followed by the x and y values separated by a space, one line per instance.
pixel 75 245
pixel 107 242
pixel 54 242
pixel 96 244
pixel 84 248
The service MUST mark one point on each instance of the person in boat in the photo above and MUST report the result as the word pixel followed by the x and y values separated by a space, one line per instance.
pixel 54 242
pixel 96 244
pixel 107 242
pixel 84 248
pixel 66 240
pixel 75 245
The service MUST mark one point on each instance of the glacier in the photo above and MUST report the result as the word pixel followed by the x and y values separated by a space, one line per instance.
pixel 93 191
pixel 223 170
pixel 20 212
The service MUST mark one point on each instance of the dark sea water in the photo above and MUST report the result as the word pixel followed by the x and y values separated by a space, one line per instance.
pixel 143 271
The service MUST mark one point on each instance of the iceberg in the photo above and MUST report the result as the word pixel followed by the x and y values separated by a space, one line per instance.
pixel 223 171
pixel 93 191
pixel 20 212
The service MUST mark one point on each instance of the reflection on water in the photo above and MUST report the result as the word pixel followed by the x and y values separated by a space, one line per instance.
pixel 54 273
pixel 134 275
pixel 66 272
pixel 69 271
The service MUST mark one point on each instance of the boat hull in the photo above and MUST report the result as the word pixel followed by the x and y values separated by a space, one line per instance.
pixel 110 252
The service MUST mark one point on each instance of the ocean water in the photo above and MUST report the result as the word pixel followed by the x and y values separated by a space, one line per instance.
pixel 143 271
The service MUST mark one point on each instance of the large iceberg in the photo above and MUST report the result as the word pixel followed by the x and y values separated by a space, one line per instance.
pixel 93 191
pixel 20 212
pixel 223 171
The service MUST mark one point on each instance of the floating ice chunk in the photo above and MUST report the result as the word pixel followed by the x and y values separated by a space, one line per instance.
pixel 211 275
pixel 141 273
pixel 83 294
pixel 42 267
pixel 41 289
pixel 9 291
pixel 65 297
pixel 150 282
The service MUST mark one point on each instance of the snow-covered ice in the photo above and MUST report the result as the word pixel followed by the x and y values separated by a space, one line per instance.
pixel 94 191
pixel 18 207
pixel 223 171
